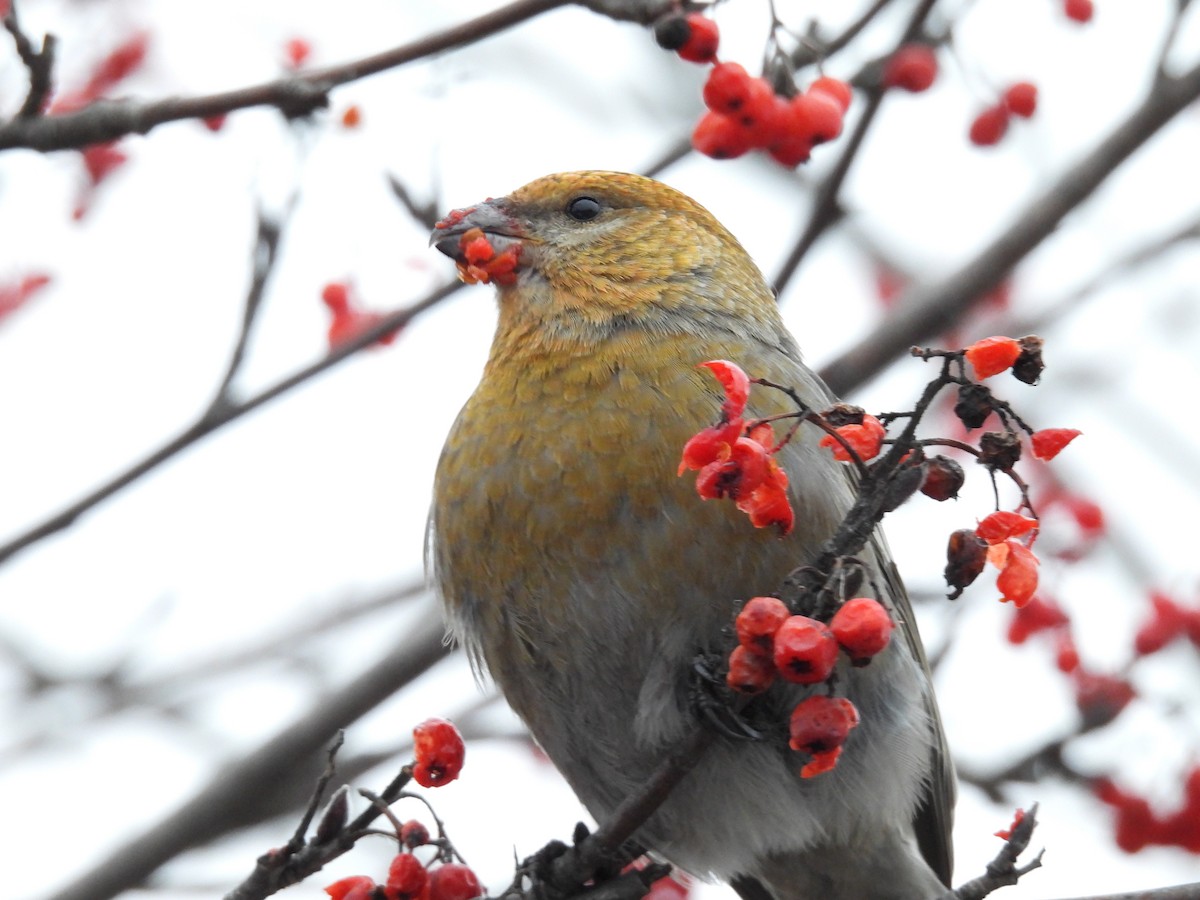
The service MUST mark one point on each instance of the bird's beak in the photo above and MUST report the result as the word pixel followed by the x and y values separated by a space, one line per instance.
pixel 491 217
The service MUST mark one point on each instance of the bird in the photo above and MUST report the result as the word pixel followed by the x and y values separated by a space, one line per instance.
pixel 585 576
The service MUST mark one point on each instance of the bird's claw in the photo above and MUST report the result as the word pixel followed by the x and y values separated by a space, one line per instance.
pixel 710 699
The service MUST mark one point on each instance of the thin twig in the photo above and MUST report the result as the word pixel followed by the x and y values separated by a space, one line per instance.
pixel 39 64
pixel 266 246
pixel 815 51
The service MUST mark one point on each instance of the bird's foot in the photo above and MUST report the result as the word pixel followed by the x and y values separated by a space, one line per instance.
pixel 715 703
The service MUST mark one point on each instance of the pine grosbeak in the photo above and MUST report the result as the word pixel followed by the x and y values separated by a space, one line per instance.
pixel 586 576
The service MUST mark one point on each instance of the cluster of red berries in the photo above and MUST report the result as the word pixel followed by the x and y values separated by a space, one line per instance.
pixel 990 125
pixel 913 68
pixel 860 438
pixel 736 458
pixel 1166 622
pixel 1139 826
pixel 347 319
pixel 409 879
pixel 479 263
pixel 1003 539
pixel 1098 697
pixel 773 643
pixel 438 753
pixel 744 112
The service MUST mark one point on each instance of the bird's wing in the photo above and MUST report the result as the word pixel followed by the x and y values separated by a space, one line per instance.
pixel 934 820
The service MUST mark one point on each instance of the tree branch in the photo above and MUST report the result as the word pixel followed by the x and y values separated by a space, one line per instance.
pixel 218 416
pixel 39 64
pixel 297 95
pixel 923 312
pixel 244 782
pixel 826 207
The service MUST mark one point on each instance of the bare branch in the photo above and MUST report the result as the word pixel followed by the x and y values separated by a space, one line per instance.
pixel 214 419
pixel 297 95
pixel 1003 870
pixel 923 312
pixel 266 245
pixel 39 64
pixel 826 206
pixel 243 783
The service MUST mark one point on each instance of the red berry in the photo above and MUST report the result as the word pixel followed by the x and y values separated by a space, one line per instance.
pixel 407 879
pixel 989 126
pixel 1049 442
pixel 758 621
pixel 703 38
pixel 1167 621
pixel 1021 99
pixel 1018 579
pixel 1087 514
pixel 734 381
pixel 414 834
pixel 805 651
pixel 727 88
pixel 1001 525
pixel 819 115
pixel 835 88
pixel 1066 656
pixel 707 446
pixel 297 51
pixel 101 159
pixel 736 475
pixel 720 136
pixel 336 295
pixel 1006 833
pixel 761 112
pixel 820 724
pixel 1191 624
pixel 438 751
pixel 769 504
pixel 356 887
pixel 1101 697
pixel 790 151
pixel 992 355
pixel 751 671
pixel 351 116
pixel 912 68
pixel 862 627
pixel 966 555
pixel 942 478
pixel 1079 10
pixel 1039 614
pixel 865 439
pixel 453 881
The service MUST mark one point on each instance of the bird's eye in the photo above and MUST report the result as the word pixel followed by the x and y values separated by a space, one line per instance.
pixel 583 209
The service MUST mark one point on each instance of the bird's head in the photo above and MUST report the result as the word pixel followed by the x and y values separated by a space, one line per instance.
pixel 601 247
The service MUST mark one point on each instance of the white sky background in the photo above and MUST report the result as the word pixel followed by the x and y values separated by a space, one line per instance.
pixel 320 497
